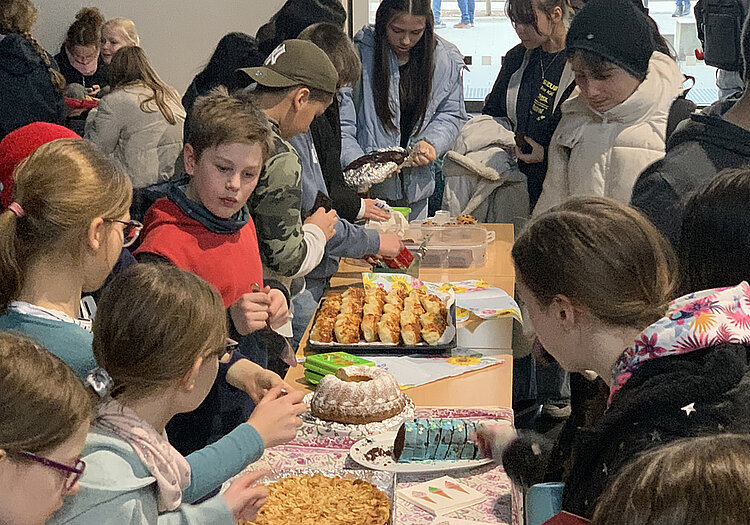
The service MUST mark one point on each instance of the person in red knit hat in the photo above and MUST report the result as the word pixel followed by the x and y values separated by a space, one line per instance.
pixel 19 144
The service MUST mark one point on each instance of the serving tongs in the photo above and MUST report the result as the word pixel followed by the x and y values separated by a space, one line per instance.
pixel 422 248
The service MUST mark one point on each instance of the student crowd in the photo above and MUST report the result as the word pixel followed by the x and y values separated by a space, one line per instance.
pixel 161 257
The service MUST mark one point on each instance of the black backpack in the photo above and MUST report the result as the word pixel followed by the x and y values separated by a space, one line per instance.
pixel 719 24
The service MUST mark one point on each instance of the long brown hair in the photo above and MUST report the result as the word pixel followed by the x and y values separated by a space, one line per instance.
pixel 62 187
pixel 604 256
pixel 86 30
pixel 417 79
pixel 152 323
pixel 130 66
pixel 18 16
pixel 42 402
pixel 695 481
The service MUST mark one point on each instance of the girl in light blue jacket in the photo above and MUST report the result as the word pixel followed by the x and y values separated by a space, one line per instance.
pixel 411 95
pixel 159 335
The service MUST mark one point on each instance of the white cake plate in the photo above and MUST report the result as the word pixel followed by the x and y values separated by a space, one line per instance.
pixel 388 464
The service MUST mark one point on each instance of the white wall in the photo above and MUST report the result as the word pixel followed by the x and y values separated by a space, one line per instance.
pixel 178 35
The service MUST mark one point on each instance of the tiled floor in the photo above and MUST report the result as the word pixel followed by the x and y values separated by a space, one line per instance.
pixel 492 36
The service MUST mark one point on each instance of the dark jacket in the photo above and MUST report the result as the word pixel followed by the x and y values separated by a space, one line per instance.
pixel 26 91
pixel 685 375
pixel 519 74
pixel 648 412
pixel 326 133
pixel 696 152
pixel 73 76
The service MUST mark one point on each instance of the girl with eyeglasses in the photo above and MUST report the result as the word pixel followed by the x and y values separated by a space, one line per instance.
pixel 60 237
pixel 135 475
pixel 79 58
pixel 45 413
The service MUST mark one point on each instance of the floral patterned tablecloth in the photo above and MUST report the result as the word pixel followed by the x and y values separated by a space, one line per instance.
pixel 327 452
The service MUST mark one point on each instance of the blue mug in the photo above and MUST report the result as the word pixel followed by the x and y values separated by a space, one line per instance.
pixel 543 501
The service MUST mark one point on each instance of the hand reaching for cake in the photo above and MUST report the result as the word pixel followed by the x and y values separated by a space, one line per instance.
pixel 492 439
pixel 253 379
pixel 276 417
pixel 245 499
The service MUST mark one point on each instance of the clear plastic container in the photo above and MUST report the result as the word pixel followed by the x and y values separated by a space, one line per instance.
pixel 450 246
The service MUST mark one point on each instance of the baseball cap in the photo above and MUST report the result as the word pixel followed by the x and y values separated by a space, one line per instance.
pixel 293 63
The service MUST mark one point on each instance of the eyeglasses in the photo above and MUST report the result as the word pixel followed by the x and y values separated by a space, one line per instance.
pixel 130 232
pixel 228 349
pixel 72 474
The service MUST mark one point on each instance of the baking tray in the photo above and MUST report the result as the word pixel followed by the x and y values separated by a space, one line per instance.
pixel 385 481
pixel 363 348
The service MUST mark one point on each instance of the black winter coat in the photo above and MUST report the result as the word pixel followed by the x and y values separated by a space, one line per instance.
pixel 653 408
pixel 26 92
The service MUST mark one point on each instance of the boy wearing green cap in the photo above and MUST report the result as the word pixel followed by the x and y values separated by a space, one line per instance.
pixel 296 83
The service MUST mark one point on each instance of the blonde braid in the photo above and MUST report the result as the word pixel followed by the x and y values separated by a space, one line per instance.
pixel 55 76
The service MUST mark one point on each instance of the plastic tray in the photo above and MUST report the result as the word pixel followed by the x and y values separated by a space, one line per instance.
pixel 385 481
pixel 460 246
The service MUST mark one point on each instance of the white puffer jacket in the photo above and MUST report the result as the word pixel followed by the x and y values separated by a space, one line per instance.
pixel 146 144
pixel 602 154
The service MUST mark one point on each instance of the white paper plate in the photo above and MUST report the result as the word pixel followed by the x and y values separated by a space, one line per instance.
pixel 387 464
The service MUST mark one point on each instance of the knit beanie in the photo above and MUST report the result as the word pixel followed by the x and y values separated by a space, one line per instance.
pixel 19 144
pixel 617 31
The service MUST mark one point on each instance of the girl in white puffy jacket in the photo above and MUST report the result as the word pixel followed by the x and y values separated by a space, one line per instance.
pixel 614 124
pixel 140 122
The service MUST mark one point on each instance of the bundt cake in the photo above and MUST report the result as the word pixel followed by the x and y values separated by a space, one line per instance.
pixel 435 440
pixel 357 395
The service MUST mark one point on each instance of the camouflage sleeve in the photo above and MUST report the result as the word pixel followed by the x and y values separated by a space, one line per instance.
pixel 276 208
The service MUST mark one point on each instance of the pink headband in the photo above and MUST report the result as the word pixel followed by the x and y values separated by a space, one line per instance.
pixel 16 208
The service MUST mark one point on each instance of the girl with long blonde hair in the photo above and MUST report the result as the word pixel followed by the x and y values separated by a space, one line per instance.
pixel 140 122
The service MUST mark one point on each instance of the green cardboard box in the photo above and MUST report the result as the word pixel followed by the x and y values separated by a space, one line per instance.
pixel 329 363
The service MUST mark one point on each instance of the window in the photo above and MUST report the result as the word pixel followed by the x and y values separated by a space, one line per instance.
pixel 492 35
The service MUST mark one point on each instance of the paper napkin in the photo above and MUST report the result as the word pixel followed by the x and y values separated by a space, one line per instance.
pixel 442 495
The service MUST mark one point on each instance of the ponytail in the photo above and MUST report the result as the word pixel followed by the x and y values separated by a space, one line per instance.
pixel 10 269
pixel 55 76
pixel 18 16
pixel 62 187
pixel 86 30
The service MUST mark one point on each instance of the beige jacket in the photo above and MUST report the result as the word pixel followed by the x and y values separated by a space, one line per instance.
pixel 602 154
pixel 144 143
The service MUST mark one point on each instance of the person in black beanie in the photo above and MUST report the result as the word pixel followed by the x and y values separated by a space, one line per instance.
pixel 614 124
pixel 295 16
